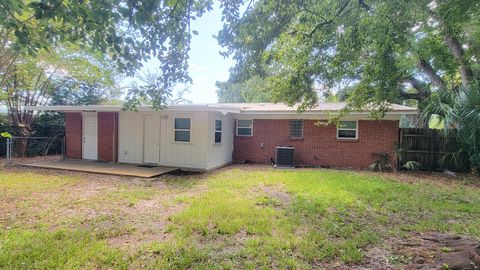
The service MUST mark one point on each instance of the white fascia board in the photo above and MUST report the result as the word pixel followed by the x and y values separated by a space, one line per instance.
pixel 64 108
pixel 118 108
pixel 309 116
pixel 222 109
pixel 319 113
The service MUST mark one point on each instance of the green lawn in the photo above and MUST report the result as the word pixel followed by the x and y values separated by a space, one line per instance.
pixel 238 217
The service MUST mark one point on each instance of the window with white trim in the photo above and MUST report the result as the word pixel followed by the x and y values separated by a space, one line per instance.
pixel 296 129
pixel 244 127
pixel 182 129
pixel 218 131
pixel 347 130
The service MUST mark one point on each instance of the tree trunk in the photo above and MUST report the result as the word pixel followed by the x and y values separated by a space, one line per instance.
pixel 466 72
pixel 49 144
pixel 428 70
pixel 21 146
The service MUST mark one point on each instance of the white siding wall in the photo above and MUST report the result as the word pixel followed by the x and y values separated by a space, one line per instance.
pixel 130 137
pixel 200 153
pixel 193 154
pixel 220 154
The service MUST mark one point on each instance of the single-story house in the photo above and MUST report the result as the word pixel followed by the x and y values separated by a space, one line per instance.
pixel 205 137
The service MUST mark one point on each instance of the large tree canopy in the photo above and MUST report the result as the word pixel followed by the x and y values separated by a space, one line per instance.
pixel 252 90
pixel 41 80
pixel 129 32
pixel 381 50
pixel 149 89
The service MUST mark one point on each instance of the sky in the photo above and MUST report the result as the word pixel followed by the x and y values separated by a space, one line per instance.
pixel 206 64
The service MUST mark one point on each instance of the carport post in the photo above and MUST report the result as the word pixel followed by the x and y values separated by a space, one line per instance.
pixel 63 149
pixel 8 152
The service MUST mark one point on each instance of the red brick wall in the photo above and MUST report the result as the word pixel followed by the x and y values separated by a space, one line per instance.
pixel 107 136
pixel 73 135
pixel 319 146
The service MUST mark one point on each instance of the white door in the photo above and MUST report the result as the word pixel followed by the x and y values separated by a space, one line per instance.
pixel 130 137
pixel 90 136
pixel 151 139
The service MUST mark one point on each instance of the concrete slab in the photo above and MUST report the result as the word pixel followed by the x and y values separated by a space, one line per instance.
pixel 104 168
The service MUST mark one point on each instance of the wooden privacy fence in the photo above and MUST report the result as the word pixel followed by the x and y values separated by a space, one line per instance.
pixel 428 147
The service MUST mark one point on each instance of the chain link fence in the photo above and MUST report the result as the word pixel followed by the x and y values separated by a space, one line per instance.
pixel 27 150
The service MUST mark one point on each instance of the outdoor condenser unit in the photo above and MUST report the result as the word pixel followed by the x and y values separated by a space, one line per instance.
pixel 285 157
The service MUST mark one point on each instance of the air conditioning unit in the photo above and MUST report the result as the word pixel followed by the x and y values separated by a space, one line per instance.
pixel 285 157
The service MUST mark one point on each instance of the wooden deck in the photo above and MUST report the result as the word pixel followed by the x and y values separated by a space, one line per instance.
pixel 104 168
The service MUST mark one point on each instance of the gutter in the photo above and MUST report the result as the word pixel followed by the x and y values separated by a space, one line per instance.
pixel 203 107
pixel 118 108
pixel 319 112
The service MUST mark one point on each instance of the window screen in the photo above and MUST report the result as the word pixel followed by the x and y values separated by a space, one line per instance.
pixel 182 129
pixel 244 127
pixel 347 130
pixel 218 131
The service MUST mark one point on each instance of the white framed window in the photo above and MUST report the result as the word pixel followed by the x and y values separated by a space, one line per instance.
pixel 182 129
pixel 244 127
pixel 296 129
pixel 218 131
pixel 347 130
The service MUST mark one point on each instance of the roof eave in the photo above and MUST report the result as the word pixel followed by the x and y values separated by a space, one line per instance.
pixel 118 108
pixel 409 112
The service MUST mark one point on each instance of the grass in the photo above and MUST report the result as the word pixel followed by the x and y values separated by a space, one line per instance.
pixel 25 183
pixel 133 196
pixel 59 249
pixel 253 219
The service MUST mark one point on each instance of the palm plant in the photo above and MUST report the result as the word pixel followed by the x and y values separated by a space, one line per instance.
pixel 382 163
pixel 412 165
pixel 460 112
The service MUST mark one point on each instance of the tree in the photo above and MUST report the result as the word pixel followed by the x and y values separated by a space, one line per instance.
pixel 460 114
pixel 150 89
pixel 128 32
pixel 252 90
pixel 77 92
pixel 384 50
pixel 33 80
pixel 179 97
pixel 229 92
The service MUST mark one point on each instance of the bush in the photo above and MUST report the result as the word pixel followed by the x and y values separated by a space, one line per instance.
pixel 412 165
pixel 460 112
pixel 49 125
pixel 382 163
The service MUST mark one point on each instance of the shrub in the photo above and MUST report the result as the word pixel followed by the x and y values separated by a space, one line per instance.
pixel 412 165
pixel 460 112
pixel 382 163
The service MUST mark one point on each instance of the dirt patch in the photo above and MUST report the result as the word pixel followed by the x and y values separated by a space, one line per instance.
pixel 437 178
pixel 28 160
pixel 115 208
pixel 274 196
pixel 279 193
pixel 149 218
pixel 378 258
pixel 430 250
pixel 443 251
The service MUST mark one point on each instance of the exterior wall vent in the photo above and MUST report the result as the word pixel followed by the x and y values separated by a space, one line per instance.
pixel 285 157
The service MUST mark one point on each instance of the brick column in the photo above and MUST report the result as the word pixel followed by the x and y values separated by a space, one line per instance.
pixel 73 135
pixel 108 136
